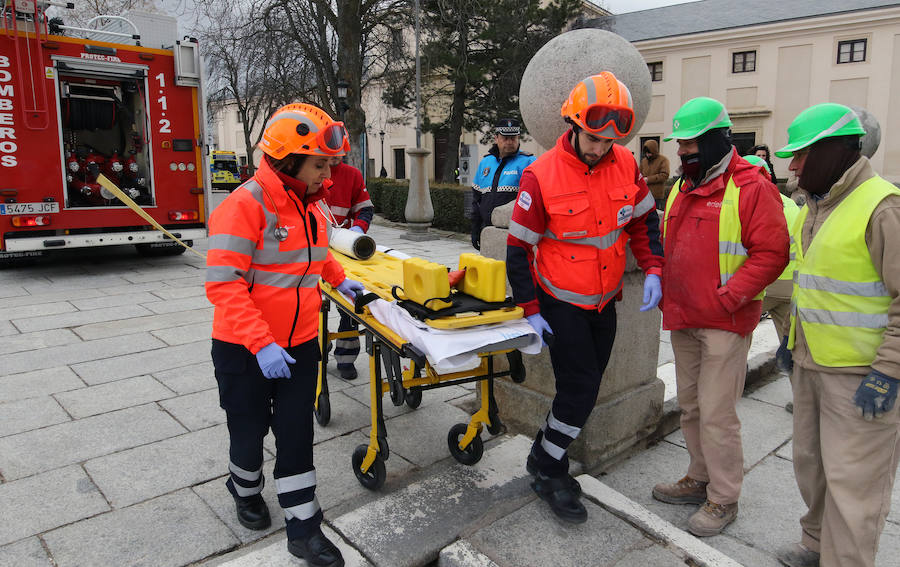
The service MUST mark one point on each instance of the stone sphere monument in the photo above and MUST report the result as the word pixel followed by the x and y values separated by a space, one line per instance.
pixel 569 58
pixel 870 124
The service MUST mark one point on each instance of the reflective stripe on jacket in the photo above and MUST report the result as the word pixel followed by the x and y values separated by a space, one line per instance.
pixel 581 254
pixel 732 253
pixel 264 289
pixel 839 297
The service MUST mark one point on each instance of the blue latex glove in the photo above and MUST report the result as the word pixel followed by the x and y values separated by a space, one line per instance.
pixel 357 228
pixel 784 360
pixel 273 361
pixel 652 292
pixel 541 327
pixel 876 395
pixel 350 288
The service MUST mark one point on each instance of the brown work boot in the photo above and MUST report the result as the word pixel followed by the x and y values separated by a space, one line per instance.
pixel 797 555
pixel 712 518
pixel 685 491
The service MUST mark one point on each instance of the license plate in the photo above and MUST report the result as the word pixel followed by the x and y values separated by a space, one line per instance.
pixel 29 208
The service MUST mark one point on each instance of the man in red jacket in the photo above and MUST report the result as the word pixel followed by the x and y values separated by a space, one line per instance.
pixel 725 240
pixel 577 207
pixel 351 208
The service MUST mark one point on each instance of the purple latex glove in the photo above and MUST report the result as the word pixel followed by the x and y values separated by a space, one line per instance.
pixel 350 288
pixel 273 361
pixel 652 292
pixel 357 228
pixel 541 327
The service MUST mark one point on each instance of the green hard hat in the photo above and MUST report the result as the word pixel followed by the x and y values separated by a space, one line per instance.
pixel 697 116
pixel 820 121
pixel 756 160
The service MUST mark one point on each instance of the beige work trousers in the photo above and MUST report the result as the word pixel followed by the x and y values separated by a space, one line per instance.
pixel 710 368
pixel 778 303
pixel 845 468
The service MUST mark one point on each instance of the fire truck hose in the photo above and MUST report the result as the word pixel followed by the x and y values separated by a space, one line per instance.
pixel 111 187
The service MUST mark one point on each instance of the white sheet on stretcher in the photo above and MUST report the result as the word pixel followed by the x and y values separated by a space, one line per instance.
pixel 456 350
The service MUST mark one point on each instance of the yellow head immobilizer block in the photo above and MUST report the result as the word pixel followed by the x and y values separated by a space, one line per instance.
pixel 424 280
pixel 485 277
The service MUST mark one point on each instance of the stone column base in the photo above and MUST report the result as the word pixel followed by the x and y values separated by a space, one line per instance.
pixel 418 232
pixel 616 424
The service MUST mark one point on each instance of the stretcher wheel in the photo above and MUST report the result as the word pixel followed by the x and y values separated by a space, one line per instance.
pixel 398 393
pixel 374 478
pixel 323 411
pixel 471 454
pixel 413 398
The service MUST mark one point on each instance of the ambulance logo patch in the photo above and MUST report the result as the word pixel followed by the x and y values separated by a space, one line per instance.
pixel 485 171
pixel 624 215
pixel 524 200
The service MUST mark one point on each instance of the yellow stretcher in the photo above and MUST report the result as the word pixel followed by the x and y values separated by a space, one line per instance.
pixel 379 274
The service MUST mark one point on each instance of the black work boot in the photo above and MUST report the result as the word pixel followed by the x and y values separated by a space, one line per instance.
pixel 560 494
pixel 347 371
pixel 532 467
pixel 252 512
pixel 316 549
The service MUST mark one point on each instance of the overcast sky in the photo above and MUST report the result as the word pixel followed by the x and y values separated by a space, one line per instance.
pixel 622 6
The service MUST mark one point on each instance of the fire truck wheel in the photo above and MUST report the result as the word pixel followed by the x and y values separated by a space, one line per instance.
pixel 168 249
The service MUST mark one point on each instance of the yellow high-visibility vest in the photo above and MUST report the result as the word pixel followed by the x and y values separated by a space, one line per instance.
pixel 839 298
pixel 732 253
pixel 791 210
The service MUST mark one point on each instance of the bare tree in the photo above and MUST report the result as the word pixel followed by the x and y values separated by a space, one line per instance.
pixel 350 40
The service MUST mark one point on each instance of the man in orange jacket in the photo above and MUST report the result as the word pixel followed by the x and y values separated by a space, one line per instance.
pixel 578 205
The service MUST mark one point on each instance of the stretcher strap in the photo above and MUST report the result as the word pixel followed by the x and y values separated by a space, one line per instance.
pixel 461 303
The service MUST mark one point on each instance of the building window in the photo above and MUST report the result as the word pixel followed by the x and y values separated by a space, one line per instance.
pixel 399 163
pixel 239 118
pixel 743 61
pixel 743 141
pixel 655 71
pixel 852 51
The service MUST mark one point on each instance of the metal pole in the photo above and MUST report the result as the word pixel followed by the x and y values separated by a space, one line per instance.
pixel 418 83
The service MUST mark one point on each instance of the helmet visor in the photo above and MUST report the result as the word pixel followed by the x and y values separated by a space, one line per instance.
pixel 334 139
pixel 600 116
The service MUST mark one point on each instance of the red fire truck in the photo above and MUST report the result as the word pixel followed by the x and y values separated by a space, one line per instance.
pixel 73 107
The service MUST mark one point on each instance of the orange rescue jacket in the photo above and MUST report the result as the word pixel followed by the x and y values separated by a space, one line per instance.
pixel 264 289
pixel 581 257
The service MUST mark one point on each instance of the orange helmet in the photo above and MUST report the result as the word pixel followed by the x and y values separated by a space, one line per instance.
pixel 601 104
pixel 303 129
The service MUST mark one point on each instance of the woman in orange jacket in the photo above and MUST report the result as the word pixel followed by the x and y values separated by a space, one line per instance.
pixel 268 248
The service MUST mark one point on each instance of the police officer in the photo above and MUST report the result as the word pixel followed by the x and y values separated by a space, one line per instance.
pixel 845 336
pixel 579 204
pixel 498 176
pixel 268 247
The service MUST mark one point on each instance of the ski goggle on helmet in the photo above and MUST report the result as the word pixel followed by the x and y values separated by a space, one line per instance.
pixel 601 105
pixel 303 129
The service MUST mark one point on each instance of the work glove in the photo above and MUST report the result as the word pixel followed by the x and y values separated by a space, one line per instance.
pixel 541 327
pixel 357 228
pixel 876 395
pixel 273 361
pixel 784 360
pixel 350 288
pixel 652 292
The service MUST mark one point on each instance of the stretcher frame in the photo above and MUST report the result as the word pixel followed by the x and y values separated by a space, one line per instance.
pixel 383 344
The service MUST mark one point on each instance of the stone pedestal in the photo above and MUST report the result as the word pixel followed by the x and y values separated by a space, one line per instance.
pixel 419 211
pixel 629 405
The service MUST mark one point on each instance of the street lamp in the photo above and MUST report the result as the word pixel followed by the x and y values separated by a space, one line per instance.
pixel 342 87
pixel 383 170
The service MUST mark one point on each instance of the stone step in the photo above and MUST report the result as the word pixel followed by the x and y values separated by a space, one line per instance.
pixel 618 533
